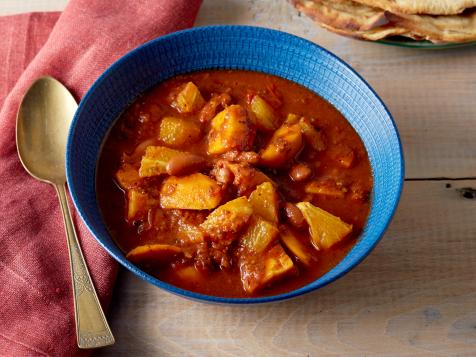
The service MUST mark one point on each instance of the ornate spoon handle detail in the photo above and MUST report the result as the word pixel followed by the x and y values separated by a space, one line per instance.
pixel 92 329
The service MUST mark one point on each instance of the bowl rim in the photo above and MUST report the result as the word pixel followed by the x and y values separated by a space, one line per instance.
pixel 211 298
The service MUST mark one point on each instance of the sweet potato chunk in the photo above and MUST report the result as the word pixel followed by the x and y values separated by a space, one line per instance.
pixel 343 155
pixel 196 192
pixel 277 265
pixel 295 246
pixel 230 129
pixel 264 200
pixel 285 143
pixel 325 228
pixel 291 119
pixel 259 270
pixel 266 118
pixel 189 99
pixel 188 273
pixel 325 188
pixel 137 204
pixel 155 160
pixel 313 137
pixel 246 178
pixel 153 254
pixel 177 132
pixel 229 217
pixel 259 234
pixel 127 176
pixel 188 233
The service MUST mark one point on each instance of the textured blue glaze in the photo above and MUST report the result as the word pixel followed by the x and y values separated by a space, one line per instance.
pixel 236 47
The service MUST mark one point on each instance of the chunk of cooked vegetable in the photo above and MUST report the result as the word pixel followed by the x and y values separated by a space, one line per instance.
pixel 230 129
pixel 153 254
pixel 230 217
pixel 313 137
pixel 296 247
pixel 157 219
pixel 284 145
pixel 325 188
pixel 266 118
pixel 177 132
pixel 259 235
pixel 291 119
pixel 277 264
pixel 325 228
pixel 343 155
pixel 196 192
pixel 246 178
pixel 264 200
pixel 155 160
pixel 138 203
pixel 186 224
pixel 259 270
pixel 127 176
pixel 189 274
pixel 189 99
pixel 189 233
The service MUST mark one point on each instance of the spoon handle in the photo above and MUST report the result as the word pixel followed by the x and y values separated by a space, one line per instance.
pixel 92 329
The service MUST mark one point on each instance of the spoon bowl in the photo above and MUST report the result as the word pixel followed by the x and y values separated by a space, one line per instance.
pixel 43 122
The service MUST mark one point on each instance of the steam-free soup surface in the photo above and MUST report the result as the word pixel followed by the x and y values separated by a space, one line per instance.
pixel 234 184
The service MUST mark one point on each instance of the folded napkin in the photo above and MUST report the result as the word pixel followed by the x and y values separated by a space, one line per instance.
pixel 36 306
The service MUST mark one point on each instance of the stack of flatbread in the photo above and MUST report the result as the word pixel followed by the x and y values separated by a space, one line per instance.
pixel 439 21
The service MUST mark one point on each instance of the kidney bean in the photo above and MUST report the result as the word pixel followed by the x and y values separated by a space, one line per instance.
pixel 184 164
pixel 300 172
pixel 294 215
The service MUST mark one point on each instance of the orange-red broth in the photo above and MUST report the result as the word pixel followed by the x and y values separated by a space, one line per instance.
pixel 140 123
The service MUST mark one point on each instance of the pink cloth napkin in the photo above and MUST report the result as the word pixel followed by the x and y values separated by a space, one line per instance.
pixel 36 306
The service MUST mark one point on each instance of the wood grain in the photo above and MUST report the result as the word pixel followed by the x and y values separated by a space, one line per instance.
pixel 415 295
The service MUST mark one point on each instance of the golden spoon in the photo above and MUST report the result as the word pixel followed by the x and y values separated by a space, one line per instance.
pixel 43 122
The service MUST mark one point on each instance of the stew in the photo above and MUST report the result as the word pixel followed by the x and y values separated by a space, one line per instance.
pixel 233 183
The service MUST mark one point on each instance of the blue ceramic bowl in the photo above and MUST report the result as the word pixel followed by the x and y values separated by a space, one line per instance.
pixel 236 47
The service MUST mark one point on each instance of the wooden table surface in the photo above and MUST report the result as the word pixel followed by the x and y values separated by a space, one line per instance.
pixel 415 295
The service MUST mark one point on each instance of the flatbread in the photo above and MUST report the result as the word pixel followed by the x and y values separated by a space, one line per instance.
pixel 348 16
pixel 428 7
pixel 371 35
pixel 354 19
pixel 451 28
